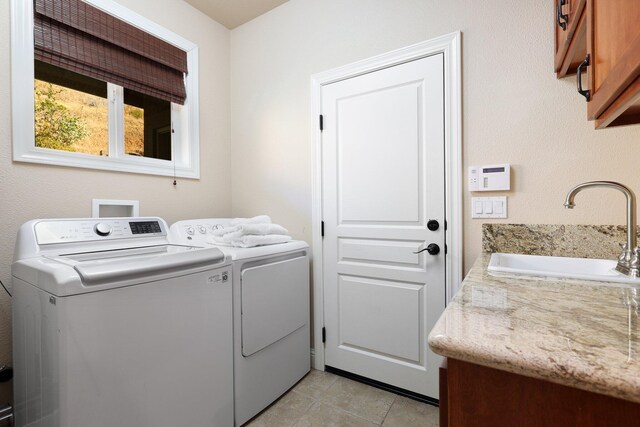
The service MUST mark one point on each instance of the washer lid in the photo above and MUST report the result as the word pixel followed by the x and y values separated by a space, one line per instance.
pixel 73 273
pixel 102 267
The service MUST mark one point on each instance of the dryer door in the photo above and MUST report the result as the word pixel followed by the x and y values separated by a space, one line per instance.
pixel 275 302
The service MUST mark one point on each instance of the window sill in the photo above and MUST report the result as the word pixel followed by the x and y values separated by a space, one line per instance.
pixel 130 164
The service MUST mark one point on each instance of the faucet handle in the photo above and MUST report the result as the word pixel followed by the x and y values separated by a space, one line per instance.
pixel 624 255
pixel 635 258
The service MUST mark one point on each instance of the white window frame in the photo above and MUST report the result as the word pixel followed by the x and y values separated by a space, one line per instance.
pixel 185 162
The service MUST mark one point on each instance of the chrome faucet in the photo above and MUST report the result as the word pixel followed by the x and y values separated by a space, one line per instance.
pixel 629 259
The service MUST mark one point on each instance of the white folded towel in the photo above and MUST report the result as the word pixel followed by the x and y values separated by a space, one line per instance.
pixel 250 232
pixel 260 219
pixel 236 231
pixel 252 240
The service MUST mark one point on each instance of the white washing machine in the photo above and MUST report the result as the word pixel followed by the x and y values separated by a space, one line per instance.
pixel 114 326
pixel 270 312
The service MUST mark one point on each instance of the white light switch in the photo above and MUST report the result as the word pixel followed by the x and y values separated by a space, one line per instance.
pixel 497 207
pixel 489 207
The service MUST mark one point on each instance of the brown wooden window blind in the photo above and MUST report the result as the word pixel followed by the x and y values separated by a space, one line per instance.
pixel 74 35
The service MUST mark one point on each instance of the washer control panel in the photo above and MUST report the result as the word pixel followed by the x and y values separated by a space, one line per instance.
pixel 83 230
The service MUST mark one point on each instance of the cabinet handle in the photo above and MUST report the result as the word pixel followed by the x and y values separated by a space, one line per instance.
pixel 560 17
pixel 585 63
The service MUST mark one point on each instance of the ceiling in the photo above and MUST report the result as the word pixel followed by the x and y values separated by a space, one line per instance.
pixel 232 13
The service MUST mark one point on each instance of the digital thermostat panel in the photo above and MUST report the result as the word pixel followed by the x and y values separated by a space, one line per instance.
pixel 490 178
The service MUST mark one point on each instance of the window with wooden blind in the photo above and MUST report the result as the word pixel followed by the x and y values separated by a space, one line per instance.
pixel 98 86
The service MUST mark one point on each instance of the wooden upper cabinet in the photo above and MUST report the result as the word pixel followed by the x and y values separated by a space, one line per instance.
pixel 613 44
pixel 570 35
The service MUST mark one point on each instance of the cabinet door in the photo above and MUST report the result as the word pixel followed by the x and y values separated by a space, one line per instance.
pixel 570 35
pixel 613 42
pixel 479 396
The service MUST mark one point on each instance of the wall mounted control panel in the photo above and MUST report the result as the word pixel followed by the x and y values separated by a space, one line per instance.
pixel 490 178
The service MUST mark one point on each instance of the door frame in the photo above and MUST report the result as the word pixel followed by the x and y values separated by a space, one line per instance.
pixel 449 45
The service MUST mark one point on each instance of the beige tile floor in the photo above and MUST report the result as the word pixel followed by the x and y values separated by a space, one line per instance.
pixel 324 399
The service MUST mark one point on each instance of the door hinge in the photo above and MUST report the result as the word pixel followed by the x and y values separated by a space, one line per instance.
pixel 324 335
pixel 322 228
pixel 321 122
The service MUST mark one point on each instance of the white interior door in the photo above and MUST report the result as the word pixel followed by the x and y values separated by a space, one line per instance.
pixel 383 180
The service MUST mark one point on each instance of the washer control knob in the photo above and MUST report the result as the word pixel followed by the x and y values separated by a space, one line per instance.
pixel 190 230
pixel 102 229
pixel 202 229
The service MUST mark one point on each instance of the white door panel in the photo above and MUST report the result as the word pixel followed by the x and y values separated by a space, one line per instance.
pixel 383 179
pixel 377 251
pixel 382 231
pixel 390 307
pixel 362 182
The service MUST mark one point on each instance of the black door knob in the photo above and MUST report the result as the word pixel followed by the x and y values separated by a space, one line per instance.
pixel 432 248
pixel 433 224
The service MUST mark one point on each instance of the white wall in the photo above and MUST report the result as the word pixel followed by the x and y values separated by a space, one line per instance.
pixel 36 191
pixel 514 109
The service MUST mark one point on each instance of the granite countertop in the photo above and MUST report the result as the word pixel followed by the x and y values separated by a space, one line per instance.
pixel 576 333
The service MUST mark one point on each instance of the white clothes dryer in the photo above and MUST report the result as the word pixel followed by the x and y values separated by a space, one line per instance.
pixel 114 326
pixel 270 314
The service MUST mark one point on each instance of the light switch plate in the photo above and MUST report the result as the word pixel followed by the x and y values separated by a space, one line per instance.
pixel 489 207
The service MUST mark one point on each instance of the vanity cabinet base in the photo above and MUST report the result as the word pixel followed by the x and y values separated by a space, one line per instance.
pixel 474 395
